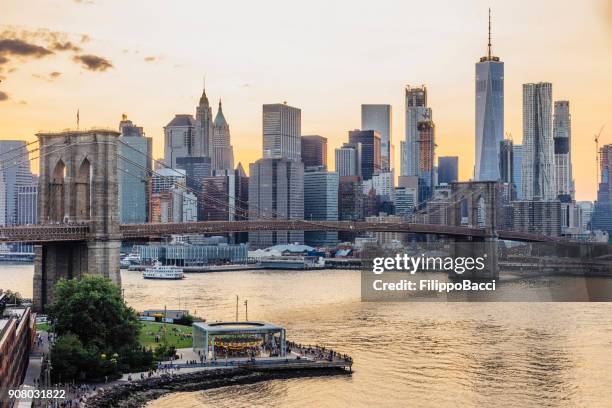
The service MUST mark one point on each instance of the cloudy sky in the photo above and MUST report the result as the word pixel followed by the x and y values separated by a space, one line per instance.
pixel 147 58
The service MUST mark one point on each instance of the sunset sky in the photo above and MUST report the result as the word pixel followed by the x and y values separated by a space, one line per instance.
pixel 147 58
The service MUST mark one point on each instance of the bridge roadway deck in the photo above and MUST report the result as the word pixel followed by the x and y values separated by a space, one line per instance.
pixel 72 232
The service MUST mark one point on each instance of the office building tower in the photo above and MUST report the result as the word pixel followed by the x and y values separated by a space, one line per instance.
pixel 348 160
pixel 196 170
pixel 586 213
pixel 562 136
pixel 203 128
pixel 164 179
pixel 350 198
pixel 538 171
pixel 427 153
pixel 379 118
pixel 242 193
pixel 506 161
pixel 383 184
pixel 321 204
pixel 448 169
pixel 221 150
pixel 370 151
pixel 219 196
pixel 282 129
pixel 179 138
pixel 14 172
pixel 406 200
pixel 517 170
pixel 27 198
pixel 276 191
pixel 134 165
pixel 602 211
pixel 416 111
pixel 489 114
pixel 537 217
pixel 161 207
pixel 314 151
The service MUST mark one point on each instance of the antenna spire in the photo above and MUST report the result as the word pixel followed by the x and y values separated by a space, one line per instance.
pixel 489 45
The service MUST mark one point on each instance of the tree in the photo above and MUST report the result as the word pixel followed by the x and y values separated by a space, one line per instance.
pixel 92 308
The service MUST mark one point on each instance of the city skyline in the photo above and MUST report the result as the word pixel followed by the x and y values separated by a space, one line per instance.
pixel 151 79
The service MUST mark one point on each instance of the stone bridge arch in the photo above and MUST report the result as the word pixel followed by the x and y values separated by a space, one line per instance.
pixel 77 184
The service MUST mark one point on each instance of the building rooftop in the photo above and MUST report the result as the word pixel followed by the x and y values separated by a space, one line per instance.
pixel 217 328
pixel 182 120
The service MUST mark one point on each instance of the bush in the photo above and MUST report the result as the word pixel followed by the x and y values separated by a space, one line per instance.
pixel 185 320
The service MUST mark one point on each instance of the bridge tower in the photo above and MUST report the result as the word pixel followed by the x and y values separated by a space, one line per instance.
pixel 77 184
pixel 475 205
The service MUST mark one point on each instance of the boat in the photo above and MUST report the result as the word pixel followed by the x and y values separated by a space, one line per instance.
pixel 159 271
pixel 133 258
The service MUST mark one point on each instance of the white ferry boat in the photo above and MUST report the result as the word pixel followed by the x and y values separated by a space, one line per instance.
pixel 133 258
pixel 159 271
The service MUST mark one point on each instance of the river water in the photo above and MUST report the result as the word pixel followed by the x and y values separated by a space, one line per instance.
pixel 406 354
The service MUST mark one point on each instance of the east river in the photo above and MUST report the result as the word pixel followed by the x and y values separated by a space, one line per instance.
pixel 406 354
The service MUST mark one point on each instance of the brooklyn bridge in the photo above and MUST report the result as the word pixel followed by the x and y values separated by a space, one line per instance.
pixel 79 232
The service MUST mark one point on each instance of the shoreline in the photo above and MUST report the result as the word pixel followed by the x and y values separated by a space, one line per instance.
pixel 137 394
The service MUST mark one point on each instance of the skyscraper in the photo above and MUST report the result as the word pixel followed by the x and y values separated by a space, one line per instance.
pixel 321 204
pixel 538 170
pixel 348 160
pixel 427 154
pixel 562 135
pixel 203 127
pixel 133 173
pixel 314 151
pixel 379 118
pixel 27 199
pixel 15 172
pixel 517 170
pixel 489 114
pixel 506 162
pixel 370 151
pixel 416 111
pixel 196 170
pixel 448 169
pixel 602 211
pixel 221 150
pixel 281 131
pixel 179 139
pixel 276 191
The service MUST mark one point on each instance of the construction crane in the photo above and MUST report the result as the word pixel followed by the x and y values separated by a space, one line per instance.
pixel 597 155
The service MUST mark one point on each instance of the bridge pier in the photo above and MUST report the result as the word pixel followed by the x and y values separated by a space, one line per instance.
pixel 477 247
pixel 77 185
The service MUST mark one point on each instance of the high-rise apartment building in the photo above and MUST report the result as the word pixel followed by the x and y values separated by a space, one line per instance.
pixel 416 111
pixel 379 118
pixel 166 178
pixel 350 198
pixel 562 136
pixel 27 199
pixel 134 171
pixel 448 169
pixel 370 151
pixel 281 131
pixel 221 150
pixel 489 114
pixel 538 170
pixel 314 151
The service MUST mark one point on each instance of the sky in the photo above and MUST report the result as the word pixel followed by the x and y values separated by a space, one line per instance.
pixel 148 58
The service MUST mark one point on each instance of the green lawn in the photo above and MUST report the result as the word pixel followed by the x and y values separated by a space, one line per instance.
pixel 149 330
pixel 43 326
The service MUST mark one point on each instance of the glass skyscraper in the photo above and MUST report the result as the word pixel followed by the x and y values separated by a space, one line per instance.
pixel 489 114
pixel 538 170
pixel 416 111
pixel 379 118
pixel 133 174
